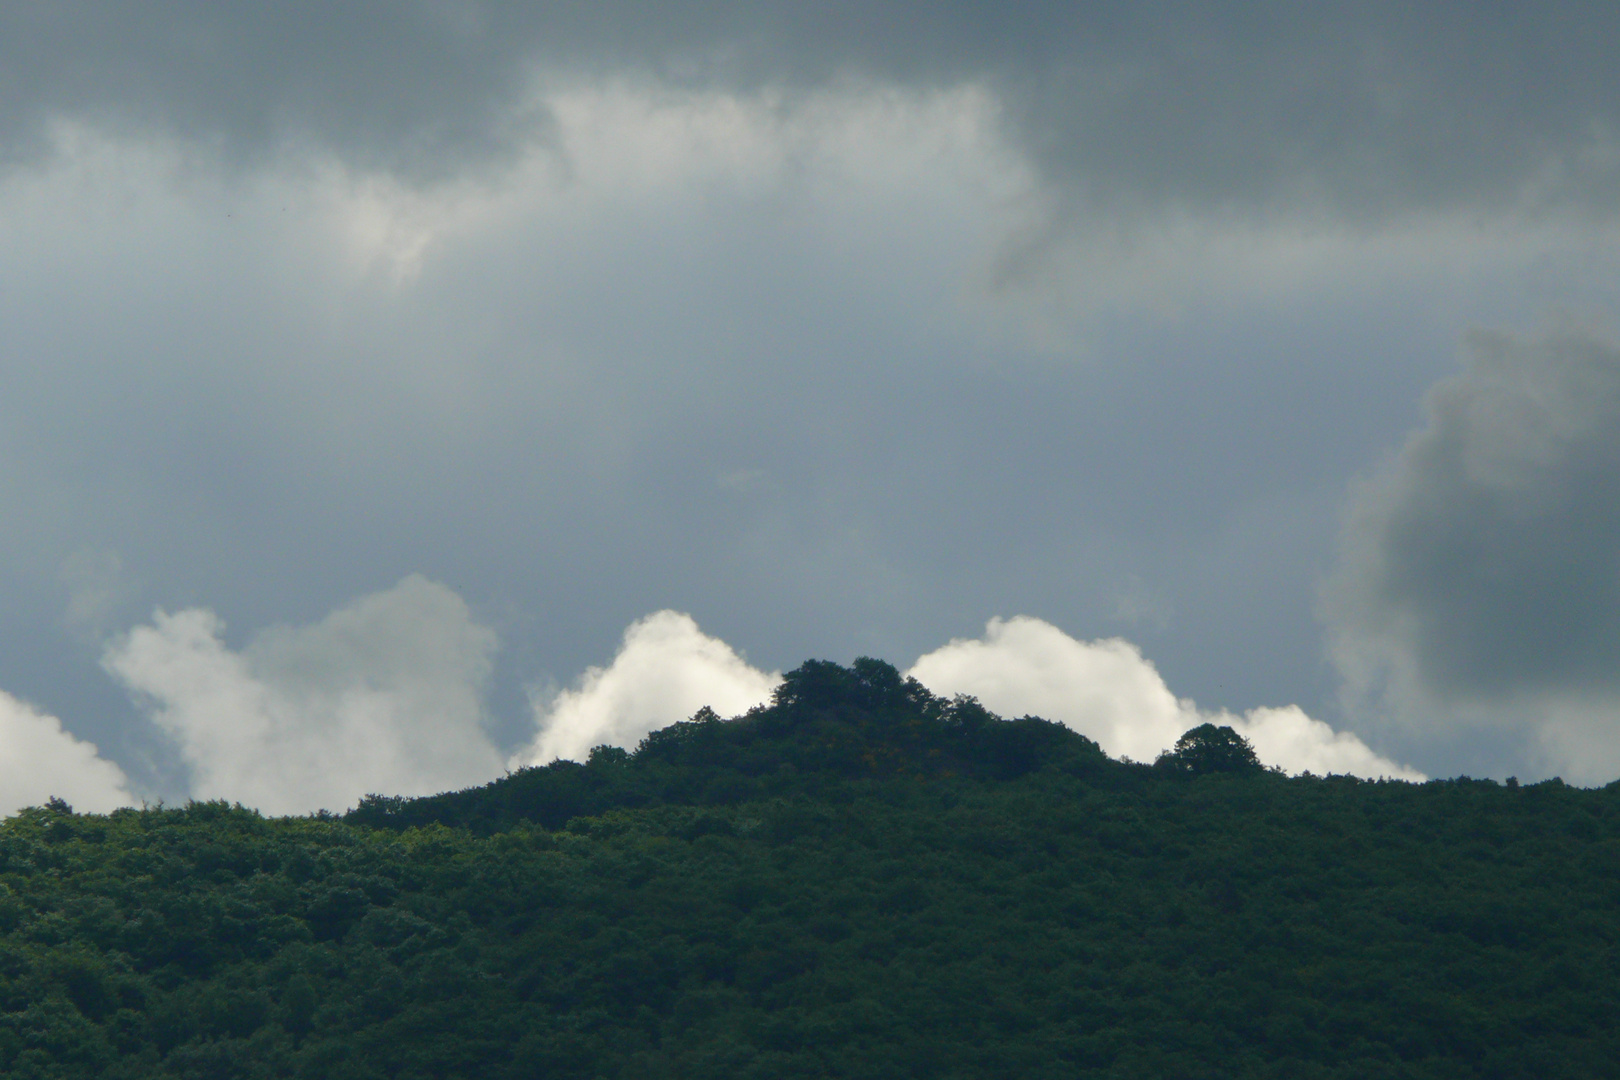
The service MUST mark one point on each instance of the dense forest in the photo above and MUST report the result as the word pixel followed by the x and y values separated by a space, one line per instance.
pixel 859 880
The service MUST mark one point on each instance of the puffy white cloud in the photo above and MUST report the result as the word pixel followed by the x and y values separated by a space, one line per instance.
pixel 1105 690
pixel 384 695
pixel 1108 691
pixel 39 760
pixel 666 670
pixel 1296 742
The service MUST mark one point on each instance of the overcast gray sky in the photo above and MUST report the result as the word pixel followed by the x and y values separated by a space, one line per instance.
pixel 368 369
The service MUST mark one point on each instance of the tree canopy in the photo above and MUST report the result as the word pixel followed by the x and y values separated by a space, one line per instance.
pixel 1210 749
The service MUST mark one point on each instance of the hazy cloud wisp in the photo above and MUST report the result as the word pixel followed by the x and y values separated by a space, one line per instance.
pixel 1477 596
pixel 384 695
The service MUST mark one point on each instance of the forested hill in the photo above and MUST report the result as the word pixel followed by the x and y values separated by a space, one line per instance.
pixel 860 880
pixel 826 727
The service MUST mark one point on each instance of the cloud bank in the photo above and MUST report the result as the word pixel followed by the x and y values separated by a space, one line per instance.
pixel 666 670
pixel 385 695
pixel 1362 109
pixel 1109 692
pixel 38 761
pixel 1476 603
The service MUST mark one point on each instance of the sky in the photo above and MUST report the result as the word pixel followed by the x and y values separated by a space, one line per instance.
pixel 396 394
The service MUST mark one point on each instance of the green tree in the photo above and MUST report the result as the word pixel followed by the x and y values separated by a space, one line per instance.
pixel 1210 749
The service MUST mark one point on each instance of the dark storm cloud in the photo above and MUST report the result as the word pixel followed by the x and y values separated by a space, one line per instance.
pixel 1484 564
pixel 418 88
pixel 1358 110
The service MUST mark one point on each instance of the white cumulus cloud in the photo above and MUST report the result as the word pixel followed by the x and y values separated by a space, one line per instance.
pixel 39 760
pixel 1298 743
pixel 384 695
pixel 1109 692
pixel 666 670
pixel 1105 690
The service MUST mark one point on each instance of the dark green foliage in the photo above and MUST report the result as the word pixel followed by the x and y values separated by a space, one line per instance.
pixel 1210 749
pixel 859 881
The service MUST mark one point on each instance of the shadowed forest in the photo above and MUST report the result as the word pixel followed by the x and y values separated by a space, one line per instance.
pixel 858 880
